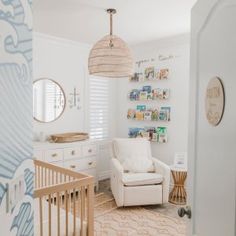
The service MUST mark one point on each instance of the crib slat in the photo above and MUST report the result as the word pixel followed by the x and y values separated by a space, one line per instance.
pixel 56 177
pixel 49 215
pixel 53 177
pixel 41 216
pixel 74 211
pixel 35 176
pixel 42 177
pixel 64 195
pixel 45 176
pixel 66 203
pixel 90 209
pixel 58 213
pixel 82 208
pixel 38 177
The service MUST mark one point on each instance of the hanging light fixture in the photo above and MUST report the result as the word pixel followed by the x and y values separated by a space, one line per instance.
pixel 110 56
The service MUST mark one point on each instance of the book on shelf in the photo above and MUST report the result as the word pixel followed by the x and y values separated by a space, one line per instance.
pixel 154 134
pixel 149 114
pixel 147 93
pixel 139 115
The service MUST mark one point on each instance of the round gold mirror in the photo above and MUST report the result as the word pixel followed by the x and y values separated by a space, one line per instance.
pixel 48 100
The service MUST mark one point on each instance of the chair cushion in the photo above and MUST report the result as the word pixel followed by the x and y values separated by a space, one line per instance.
pixel 138 164
pixel 134 154
pixel 127 147
pixel 138 179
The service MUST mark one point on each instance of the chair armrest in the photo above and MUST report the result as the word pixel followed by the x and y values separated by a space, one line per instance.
pixel 117 186
pixel 161 167
pixel 117 168
pixel 164 170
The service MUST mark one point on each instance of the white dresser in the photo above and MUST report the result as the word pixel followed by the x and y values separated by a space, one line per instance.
pixel 78 156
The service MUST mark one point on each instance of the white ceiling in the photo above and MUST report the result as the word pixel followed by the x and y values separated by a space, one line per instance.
pixel 136 20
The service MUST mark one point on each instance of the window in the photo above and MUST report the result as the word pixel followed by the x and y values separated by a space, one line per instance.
pixel 99 107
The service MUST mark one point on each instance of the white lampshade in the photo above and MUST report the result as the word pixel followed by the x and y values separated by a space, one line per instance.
pixel 110 56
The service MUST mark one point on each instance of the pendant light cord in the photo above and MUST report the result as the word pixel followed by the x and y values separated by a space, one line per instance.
pixel 111 12
pixel 111 24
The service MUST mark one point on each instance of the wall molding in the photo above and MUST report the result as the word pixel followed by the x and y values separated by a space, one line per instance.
pixel 65 41
pixel 104 175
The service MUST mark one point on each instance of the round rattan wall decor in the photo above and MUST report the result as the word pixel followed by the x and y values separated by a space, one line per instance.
pixel 215 101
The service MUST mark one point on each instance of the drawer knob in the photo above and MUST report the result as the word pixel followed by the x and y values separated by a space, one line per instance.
pixel 90 150
pixel 73 152
pixel 72 166
pixel 54 155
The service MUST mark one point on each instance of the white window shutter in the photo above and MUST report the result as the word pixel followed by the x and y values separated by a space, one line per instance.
pixel 99 109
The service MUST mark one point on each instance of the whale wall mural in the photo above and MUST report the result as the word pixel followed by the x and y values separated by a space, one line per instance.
pixel 16 114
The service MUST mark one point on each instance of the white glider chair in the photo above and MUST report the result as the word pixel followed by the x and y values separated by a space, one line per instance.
pixel 136 177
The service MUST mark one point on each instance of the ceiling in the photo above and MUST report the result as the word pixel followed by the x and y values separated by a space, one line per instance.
pixel 136 21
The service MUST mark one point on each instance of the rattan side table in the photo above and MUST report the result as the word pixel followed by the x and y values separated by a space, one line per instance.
pixel 178 194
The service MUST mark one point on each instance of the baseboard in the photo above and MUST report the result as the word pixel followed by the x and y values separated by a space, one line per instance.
pixel 104 175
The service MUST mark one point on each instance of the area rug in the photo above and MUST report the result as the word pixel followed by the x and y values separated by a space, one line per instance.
pixel 133 221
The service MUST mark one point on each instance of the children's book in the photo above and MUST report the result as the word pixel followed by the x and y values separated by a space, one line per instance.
pixel 167 111
pixel 134 95
pixel 162 115
pixel 149 96
pixel 154 137
pixel 148 89
pixel 150 130
pixel 145 135
pixel 155 115
pixel 143 96
pixel 141 107
pixel 161 134
pixel 150 73
pixel 163 74
pixel 155 94
pixel 135 132
pixel 139 115
pixel 131 114
pixel 165 93
pixel 147 115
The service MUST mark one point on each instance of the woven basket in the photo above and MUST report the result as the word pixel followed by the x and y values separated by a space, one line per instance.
pixel 68 137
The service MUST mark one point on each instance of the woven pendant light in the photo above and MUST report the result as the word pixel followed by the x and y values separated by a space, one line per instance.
pixel 110 56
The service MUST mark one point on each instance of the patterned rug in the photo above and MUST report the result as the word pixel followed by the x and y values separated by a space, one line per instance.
pixel 135 221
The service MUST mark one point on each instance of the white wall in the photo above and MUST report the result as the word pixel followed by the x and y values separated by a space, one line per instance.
pixel 65 62
pixel 179 86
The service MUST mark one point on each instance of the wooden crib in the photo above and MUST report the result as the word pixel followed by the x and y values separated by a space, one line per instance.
pixel 63 201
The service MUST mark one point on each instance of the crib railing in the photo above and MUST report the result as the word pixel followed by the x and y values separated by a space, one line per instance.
pixel 65 201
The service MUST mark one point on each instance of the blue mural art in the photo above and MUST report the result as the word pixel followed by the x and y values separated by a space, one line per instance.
pixel 16 106
pixel 2 192
pixel 23 222
pixel 29 182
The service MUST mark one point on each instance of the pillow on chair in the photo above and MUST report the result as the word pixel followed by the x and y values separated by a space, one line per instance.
pixel 138 164
pixel 134 154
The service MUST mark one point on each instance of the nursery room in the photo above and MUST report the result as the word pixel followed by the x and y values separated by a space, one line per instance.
pixel 113 115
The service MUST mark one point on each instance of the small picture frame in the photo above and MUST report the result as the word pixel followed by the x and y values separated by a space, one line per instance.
pixel 180 160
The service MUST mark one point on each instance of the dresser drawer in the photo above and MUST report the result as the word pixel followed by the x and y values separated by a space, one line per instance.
pixel 89 150
pixel 54 155
pixel 38 155
pixel 70 153
pixel 81 164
